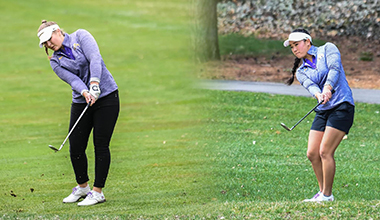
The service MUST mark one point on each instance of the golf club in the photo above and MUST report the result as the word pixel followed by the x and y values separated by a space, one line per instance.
pixel 290 129
pixel 80 116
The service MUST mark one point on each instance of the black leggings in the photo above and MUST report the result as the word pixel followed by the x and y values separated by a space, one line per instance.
pixel 101 117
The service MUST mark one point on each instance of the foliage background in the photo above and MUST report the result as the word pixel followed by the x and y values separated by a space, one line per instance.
pixel 322 18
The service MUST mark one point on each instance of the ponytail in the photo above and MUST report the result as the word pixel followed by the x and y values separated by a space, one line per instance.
pixel 47 53
pixel 295 67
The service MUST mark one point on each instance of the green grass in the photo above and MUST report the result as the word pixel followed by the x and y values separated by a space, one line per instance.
pixel 263 169
pixel 177 152
pixel 237 44
pixel 157 155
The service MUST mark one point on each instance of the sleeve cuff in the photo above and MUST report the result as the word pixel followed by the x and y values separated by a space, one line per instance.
pixel 330 83
pixel 83 91
pixel 94 79
pixel 314 90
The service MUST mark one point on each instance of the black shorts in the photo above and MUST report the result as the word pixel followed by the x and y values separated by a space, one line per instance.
pixel 340 117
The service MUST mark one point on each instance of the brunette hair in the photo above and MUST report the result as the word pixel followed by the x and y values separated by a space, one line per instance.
pixel 297 61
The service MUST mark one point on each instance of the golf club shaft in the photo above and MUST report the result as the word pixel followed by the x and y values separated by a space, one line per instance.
pixel 306 115
pixel 80 116
pixel 316 106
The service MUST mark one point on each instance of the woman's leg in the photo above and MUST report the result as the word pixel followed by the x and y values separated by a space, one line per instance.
pixel 104 123
pixel 78 142
pixel 313 153
pixel 331 140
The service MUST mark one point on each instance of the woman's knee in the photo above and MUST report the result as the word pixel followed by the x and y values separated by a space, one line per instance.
pixel 313 155
pixel 325 154
pixel 102 150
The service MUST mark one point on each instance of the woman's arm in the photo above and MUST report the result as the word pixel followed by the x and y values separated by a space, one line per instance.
pixel 73 80
pixel 334 64
pixel 91 52
pixel 307 83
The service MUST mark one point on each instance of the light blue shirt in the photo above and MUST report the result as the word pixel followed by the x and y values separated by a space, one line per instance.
pixel 328 71
pixel 87 65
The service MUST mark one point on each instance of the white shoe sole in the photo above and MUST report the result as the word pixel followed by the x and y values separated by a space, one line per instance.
pixel 91 204
pixel 82 197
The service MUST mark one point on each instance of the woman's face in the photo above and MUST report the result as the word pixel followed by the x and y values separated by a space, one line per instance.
pixel 300 48
pixel 56 40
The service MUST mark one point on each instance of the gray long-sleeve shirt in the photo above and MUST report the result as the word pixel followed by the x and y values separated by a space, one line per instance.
pixel 87 65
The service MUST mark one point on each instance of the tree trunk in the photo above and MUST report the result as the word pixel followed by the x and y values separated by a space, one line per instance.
pixel 206 30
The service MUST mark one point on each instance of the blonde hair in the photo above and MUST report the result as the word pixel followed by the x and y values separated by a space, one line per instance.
pixel 43 25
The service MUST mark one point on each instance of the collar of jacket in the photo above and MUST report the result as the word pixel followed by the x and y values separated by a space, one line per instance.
pixel 312 51
pixel 66 43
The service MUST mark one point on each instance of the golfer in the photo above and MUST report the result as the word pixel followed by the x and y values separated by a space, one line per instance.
pixel 77 61
pixel 321 72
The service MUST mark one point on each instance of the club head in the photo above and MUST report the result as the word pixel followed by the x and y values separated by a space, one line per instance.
pixel 53 148
pixel 286 127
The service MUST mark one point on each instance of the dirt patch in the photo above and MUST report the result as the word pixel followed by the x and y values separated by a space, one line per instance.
pixel 360 72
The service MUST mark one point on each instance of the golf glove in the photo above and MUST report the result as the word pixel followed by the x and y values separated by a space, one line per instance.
pixel 95 91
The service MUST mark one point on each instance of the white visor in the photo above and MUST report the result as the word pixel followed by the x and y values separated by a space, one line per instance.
pixel 297 36
pixel 45 34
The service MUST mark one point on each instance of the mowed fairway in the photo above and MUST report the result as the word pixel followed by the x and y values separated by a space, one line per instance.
pixel 263 169
pixel 177 152
pixel 158 159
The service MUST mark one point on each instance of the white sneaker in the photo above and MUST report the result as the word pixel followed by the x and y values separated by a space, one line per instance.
pixel 314 197
pixel 93 198
pixel 324 198
pixel 319 197
pixel 78 193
